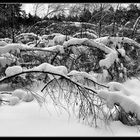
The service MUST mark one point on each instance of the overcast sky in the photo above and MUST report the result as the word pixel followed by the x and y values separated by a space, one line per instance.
pixel 29 8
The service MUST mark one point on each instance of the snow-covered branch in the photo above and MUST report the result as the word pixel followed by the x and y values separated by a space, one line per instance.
pixel 117 40
pixel 87 42
pixel 79 75
pixel 47 68
pixel 21 47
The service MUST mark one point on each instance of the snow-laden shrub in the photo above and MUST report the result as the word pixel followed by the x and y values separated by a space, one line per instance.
pixel 125 59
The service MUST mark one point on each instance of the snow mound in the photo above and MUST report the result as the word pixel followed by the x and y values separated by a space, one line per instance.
pixel 115 86
pixel 59 39
pixel 28 97
pixel 19 93
pixel 118 98
pixel 60 70
pixel 13 70
pixel 13 100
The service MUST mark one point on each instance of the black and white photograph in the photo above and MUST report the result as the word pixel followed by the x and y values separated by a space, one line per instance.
pixel 69 69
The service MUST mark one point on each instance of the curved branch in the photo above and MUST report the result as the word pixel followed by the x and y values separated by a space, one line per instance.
pixel 48 72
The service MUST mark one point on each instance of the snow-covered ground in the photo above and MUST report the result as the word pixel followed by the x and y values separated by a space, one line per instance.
pixel 29 119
